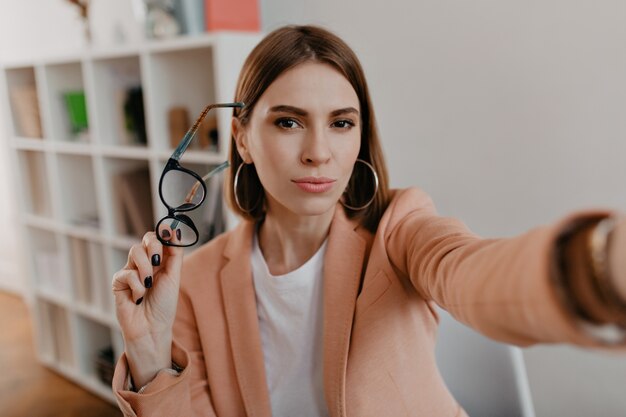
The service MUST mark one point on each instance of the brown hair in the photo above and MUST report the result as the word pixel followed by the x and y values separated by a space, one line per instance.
pixel 282 49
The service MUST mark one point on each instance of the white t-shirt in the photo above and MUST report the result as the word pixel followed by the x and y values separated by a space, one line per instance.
pixel 290 313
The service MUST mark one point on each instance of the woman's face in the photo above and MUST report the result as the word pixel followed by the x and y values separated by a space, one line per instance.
pixel 304 137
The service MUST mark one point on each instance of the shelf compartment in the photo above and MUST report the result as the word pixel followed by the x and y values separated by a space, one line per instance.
pixel 53 331
pixel 46 263
pixel 119 101
pixel 33 168
pixel 209 218
pixel 66 98
pixel 189 74
pixel 79 205
pixel 96 357
pixel 24 98
pixel 128 184
pixel 91 286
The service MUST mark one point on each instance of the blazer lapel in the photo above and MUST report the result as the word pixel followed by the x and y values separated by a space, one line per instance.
pixel 343 264
pixel 243 325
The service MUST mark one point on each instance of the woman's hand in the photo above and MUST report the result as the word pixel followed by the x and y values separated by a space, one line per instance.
pixel 146 295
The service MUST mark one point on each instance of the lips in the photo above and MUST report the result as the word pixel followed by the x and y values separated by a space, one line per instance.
pixel 314 184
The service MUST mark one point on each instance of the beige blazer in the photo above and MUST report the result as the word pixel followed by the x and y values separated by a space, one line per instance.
pixel 379 323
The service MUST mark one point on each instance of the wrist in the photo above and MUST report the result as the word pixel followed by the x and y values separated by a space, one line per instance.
pixel 617 258
pixel 603 248
pixel 147 356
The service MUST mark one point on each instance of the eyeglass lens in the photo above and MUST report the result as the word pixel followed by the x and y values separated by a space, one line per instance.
pixel 187 234
pixel 181 191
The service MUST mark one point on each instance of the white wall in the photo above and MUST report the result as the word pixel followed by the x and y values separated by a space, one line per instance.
pixel 509 113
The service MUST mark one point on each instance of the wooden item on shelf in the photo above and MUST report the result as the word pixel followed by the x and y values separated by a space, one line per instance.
pixel 25 105
pixel 178 118
pixel 232 15
pixel 207 134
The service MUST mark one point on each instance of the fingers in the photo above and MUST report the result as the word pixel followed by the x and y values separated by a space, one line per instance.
pixel 151 255
pixel 128 279
pixel 154 248
pixel 174 254
pixel 138 259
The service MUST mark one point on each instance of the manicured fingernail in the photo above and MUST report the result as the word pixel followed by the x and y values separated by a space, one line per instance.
pixel 156 260
pixel 148 282
pixel 165 234
pixel 139 301
pixel 178 234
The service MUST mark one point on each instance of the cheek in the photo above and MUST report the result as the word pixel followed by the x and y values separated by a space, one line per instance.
pixel 349 152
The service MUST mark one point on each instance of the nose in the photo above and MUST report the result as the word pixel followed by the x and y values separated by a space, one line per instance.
pixel 316 149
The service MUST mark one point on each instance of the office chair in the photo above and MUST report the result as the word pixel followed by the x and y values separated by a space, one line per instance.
pixel 487 378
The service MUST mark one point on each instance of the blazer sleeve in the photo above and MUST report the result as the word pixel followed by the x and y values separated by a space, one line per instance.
pixel 503 288
pixel 168 395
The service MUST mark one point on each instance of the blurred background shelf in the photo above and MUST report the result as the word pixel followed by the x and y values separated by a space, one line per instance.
pixel 88 135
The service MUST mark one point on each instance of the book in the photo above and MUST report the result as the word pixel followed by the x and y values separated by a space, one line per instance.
pixel 232 15
pixel 26 107
pixel 178 124
pixel 80 270
pixel 135 208
pixel 100 283
pixel 76 109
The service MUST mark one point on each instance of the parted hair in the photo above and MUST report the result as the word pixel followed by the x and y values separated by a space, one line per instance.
pixel 280 50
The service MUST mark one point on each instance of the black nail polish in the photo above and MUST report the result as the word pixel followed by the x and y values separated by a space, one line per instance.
pixel 178 234
pixel 165 234
pixel 156 260
pixel 148 282
pixel 139 301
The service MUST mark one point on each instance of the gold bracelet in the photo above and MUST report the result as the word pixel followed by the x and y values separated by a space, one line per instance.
pixel 599 242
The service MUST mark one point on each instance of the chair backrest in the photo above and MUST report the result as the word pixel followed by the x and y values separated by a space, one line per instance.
pixel 487 378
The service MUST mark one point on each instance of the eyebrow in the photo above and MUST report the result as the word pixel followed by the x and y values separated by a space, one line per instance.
pixel 301 112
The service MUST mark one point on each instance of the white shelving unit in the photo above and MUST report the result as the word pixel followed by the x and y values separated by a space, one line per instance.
pixel 69 217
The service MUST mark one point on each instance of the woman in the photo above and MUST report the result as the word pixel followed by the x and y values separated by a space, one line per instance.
pixel 321 301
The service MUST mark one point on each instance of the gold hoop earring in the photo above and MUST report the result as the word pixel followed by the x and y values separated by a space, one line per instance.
pixel 347 192
pixel 235 183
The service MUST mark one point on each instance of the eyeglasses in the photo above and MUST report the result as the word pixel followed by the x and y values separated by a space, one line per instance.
pixel 182 190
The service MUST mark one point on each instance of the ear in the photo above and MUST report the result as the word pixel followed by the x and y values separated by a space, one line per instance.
pixel 241 140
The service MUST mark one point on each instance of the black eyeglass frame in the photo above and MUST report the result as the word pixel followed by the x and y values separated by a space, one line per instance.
pixel 173 164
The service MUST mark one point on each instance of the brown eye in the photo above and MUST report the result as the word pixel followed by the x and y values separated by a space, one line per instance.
pixel 343 124
pixel 287 123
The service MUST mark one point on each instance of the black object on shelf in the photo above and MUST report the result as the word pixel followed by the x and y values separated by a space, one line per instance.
pixel 134 114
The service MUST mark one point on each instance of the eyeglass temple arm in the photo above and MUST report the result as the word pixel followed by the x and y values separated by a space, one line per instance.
pixel 196 186
pixel 184 144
